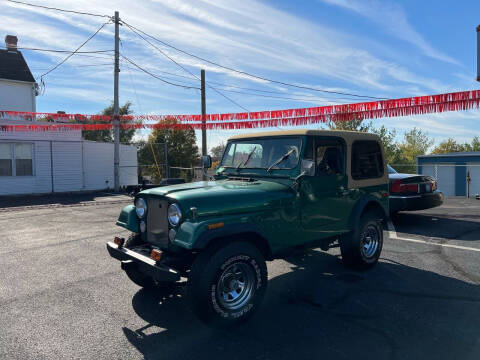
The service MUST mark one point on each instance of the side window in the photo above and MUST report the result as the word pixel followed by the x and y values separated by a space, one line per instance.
pixel 5 160
pixel 16 159
pixel 23 160
pixel 329 158
pixel 367 162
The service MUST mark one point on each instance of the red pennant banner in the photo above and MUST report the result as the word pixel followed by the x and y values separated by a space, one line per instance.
pixel 248 120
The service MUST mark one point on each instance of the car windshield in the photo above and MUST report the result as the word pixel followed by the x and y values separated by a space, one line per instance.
pixel 391 170
pixel 262 153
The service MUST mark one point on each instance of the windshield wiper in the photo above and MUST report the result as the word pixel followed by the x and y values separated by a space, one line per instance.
pixel 283 158
pixel 247 160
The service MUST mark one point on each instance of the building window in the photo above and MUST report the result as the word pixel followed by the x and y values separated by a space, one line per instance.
pixel 367 160
pixel 16 159
pixel 5 160
pixel 23 160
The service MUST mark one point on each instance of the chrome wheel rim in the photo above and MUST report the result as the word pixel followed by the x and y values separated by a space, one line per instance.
pixel 369 241
pixel 235 286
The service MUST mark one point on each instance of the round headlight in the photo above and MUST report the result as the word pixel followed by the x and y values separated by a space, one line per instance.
pixel 140 207
pixel 174 214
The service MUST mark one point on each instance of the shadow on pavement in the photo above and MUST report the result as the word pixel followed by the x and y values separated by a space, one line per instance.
pixel 52 199
pixel 436 225
pixel 320 310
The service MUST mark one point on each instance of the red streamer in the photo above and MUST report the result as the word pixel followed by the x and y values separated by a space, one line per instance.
pixel 291 117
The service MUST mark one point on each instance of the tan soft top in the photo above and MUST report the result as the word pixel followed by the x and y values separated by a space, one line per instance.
pixel 347 135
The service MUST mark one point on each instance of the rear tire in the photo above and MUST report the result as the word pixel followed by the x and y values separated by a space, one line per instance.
pixel 362 247
pixel 227 284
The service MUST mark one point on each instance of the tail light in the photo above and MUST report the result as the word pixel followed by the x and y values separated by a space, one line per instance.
pixel 399 187
pixel 434 185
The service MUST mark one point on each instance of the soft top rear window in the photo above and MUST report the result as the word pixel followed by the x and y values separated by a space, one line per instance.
pixel 367 161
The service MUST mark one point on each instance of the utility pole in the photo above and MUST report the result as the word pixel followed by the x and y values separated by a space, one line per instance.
pixel 478 53
pixel 116 120
pixel 204 122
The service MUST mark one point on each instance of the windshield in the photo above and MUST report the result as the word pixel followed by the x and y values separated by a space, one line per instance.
pixel 262 153
pixel 391 170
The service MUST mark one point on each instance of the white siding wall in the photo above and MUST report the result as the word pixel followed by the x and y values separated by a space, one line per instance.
pixel 98 165
pixel 17 96
pixel 76 166
pixel 128 165
pixel 40 182
pixel 67 166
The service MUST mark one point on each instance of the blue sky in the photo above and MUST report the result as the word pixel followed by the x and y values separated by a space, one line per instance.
pixel 378 48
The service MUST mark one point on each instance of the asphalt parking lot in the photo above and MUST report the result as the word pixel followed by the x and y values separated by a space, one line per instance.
pixel 63 297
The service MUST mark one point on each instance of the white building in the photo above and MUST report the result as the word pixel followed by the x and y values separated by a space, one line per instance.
pixel 49 161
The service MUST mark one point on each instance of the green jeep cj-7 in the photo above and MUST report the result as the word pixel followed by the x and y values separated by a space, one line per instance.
pixel 272 193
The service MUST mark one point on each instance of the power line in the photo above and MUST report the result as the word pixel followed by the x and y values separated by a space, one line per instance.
pixel 185 69
pixel 156 76
pixel 248 74
pixel 42 69
pixel 226 87
pixel 57 9
pixel 73 53
pixel 166 77
pixel 65 51
pixel 131 80
pixel 78 66
pixel 284 97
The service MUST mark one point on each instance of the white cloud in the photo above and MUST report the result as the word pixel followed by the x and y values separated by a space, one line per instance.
pixel 393 19
pixel 248 35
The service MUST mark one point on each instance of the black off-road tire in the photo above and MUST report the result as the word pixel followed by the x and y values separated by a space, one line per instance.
pixel 222 267
pixel 358 252
pixel 138 277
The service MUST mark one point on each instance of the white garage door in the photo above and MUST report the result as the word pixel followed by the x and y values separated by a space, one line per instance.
pixel 445 176
pixel 474 169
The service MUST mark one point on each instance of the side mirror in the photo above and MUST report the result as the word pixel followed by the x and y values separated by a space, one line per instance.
pixel 307 168
pixel 206 161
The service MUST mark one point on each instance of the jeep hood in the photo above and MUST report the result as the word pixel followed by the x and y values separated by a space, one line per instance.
pixel 226 196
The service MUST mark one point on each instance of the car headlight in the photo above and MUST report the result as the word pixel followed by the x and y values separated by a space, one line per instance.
pixel 174 214
pixel 140 207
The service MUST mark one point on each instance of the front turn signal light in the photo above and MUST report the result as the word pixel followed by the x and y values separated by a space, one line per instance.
pixel 156 254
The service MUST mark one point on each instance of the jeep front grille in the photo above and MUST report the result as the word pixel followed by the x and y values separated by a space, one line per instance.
pixel 157 222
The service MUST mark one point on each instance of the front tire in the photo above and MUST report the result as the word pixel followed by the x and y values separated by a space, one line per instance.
pixel 138 277
pixel 227 284
pixel 362 247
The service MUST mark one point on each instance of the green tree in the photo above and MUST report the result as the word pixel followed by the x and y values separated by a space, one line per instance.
pixel 126 135
pixel 217 151
pixel 182 150
pixel 351 125
pixel 451 145
pixel 448 146
pixel 475 144
pixel 415 143
pixel 392 151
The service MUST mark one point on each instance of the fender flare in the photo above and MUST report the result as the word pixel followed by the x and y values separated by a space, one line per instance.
pixel 360 206
pixel 229 230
